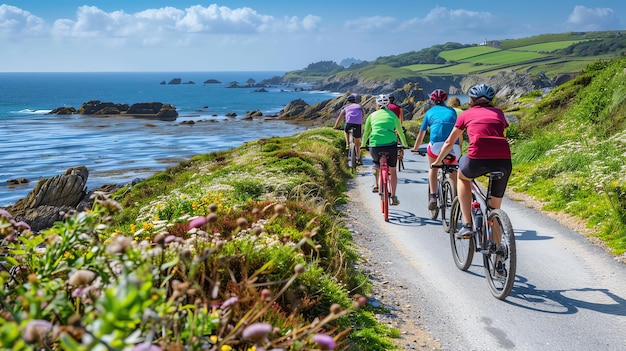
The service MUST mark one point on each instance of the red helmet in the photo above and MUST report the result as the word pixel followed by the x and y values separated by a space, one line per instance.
pixel 439 95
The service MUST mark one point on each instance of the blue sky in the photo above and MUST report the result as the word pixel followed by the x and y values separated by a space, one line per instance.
pixel 270 35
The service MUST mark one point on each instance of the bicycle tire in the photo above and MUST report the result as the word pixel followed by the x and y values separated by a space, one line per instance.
pixel 353 157
pixel 385 198
pixel 448 193
pixel 462 249
pixel 435 212
pixel 501 286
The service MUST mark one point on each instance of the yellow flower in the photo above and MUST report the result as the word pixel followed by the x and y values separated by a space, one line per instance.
pixel 226 348
pixel 213 338
pixel 253 348
pixel 156 218
pixel 182 197
pixel 133 227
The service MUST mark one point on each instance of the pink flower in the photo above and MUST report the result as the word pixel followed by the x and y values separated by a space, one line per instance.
pixel 324 342
pixel 197 222
pixel 229 302
pixel 257 332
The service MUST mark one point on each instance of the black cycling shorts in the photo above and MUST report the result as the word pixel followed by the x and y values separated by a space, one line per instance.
pixel 392 157
pixel 474 168
pixel 356 127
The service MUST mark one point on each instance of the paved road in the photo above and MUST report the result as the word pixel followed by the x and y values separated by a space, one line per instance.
pixel 568 294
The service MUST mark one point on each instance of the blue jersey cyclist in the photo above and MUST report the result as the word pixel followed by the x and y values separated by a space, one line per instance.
pixel 380 129
pixel 440 119
pixel 353 113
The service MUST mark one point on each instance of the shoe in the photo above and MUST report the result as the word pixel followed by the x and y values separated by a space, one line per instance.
pixel 432 204
pixel 465 232
pixel 394 201
pixel 375 189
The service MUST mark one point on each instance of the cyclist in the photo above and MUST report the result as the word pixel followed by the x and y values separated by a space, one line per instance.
pixel 353 113
pixel 488 151
pixel 397 109
pixel 440 119
pixel 380 128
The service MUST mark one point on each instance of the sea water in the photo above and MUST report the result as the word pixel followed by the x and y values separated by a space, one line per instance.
pixel 36 145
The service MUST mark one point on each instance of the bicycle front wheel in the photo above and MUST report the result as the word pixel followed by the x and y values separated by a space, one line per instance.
pixel 462 249
pixel 501 264
pixel 448 194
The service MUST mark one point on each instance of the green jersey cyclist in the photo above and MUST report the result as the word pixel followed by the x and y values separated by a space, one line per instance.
pixel 380 129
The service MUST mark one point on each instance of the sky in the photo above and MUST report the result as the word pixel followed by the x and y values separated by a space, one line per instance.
pixel 266 35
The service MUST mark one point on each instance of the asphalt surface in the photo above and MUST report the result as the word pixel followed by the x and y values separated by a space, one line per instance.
pixel 569 294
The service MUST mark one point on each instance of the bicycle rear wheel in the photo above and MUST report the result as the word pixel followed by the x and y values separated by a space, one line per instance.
pixel 385 197
pixel 500 265
pixel 462 249
pixel 448 193
pixel 352 158
pixel 434 212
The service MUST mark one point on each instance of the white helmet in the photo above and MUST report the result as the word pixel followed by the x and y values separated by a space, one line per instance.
pixel 382 100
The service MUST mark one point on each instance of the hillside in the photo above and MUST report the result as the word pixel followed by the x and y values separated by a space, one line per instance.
pixel 549 59
pixel 569 151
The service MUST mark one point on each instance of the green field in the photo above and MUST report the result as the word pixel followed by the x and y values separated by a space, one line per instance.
pixel 505 57
pixel 424 67
pixel 462 54
pixel 549 47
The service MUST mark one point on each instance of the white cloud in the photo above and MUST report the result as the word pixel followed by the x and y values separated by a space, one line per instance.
pixel 442 21
pixel 15 21
pixel 587 19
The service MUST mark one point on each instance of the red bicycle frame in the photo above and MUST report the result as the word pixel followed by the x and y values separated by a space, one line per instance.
pixel 384 188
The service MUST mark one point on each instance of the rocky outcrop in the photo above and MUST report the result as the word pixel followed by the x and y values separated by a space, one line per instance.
pixel 151 110
pixel 50 197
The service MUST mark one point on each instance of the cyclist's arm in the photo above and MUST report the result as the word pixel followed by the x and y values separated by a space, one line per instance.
pixel 400 132
pixel 367 130
pixel 418 140
pixel 341 114
pixel 448 144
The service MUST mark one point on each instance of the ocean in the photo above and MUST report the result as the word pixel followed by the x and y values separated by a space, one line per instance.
pixel 36 145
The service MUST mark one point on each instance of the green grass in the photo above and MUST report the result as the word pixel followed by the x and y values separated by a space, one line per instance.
pixel 548 47
pixel 465 53
pixel 505 57
pixel 424 67
pixel 568 151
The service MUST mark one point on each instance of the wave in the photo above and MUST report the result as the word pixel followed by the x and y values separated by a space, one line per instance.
pixel 28 111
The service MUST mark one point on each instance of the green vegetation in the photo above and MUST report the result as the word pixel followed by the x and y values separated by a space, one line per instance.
pixel 233 250
pixel 465 53
pixel 549 54
pixel 569 151
pixel 548 47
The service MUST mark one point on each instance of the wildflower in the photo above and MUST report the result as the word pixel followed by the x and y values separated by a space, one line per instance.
pixel 197 222
pixel 36 330
pixel 324 342
pixel 335 308
pixel 211 218
pixel 257 332
pixel 118 245
pixel 144 347
pixel 82 277
pixel 299 269
pixel 229 302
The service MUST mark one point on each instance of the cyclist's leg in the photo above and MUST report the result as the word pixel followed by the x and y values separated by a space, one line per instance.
pixel 374 152
pixel 358 133
pixel 464 190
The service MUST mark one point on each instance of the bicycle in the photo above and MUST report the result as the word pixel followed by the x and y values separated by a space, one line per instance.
pixel 352 151
pixel 499 259
pixel 400 164
pixel 445 192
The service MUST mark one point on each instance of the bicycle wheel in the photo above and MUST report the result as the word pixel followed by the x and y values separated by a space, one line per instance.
pixel 448 193
pixel 386 194
pixel 462 249
pixel 352 158
pixel 500 265
pixel 434 212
